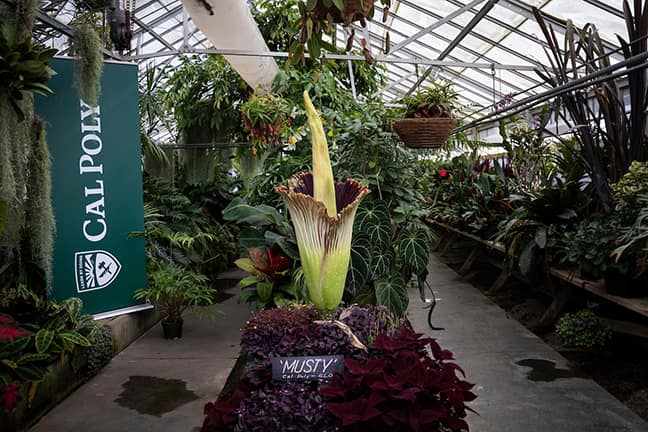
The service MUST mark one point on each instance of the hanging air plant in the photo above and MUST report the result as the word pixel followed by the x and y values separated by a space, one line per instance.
pixel 89 64
pixel 322 212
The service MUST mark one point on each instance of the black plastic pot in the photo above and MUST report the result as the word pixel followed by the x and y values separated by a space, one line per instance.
pixel 172 329
pixel 625 284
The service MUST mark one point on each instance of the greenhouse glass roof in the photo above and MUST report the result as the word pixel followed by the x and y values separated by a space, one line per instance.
pixel 488 48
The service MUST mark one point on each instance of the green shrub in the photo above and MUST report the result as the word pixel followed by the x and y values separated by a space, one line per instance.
pixel 583 329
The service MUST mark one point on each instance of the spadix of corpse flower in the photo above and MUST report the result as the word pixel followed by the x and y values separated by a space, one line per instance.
pixel 322 212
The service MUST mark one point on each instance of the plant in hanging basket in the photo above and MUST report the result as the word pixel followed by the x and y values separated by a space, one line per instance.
pixel 266 117
pixel 428 116
pixel 319 16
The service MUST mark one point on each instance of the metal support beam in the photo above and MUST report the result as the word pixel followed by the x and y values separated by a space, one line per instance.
pixel 437 24
pixel 467 29
pixel 606 7
pixel 152 32
pixel 526 11
pixel 382 58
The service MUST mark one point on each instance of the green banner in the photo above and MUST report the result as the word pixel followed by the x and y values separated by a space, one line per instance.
pixel 96 188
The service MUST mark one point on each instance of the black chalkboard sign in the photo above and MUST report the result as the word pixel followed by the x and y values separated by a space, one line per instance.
pixel 307 368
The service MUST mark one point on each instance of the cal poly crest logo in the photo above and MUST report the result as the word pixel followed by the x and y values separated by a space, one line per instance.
pixel 95 269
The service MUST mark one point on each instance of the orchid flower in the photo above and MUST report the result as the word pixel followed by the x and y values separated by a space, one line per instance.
pixel 322 212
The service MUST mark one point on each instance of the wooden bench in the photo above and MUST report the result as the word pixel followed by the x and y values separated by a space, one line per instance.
pixel 561 292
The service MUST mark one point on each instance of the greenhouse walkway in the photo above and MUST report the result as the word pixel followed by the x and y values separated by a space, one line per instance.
pixel 523 385
pixel 156 384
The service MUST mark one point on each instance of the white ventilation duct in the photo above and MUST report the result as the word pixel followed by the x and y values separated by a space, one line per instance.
pixel 228 24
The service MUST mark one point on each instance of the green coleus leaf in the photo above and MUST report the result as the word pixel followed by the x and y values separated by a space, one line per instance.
pixel 74 338
pixel 414 249
pixel 391 292
pixel 43 340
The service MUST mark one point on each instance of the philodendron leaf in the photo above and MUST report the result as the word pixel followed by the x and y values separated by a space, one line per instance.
pixel 375 222
pixel 414 249
pixel 43 340
pixel 366 296
pixel 382 262
pixel 391 292
pixel 358 267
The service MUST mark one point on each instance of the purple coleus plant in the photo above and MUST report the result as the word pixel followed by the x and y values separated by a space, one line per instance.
pixel 401 388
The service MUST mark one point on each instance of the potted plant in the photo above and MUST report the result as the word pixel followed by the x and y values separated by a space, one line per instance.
pixel 319 16
pixel 173 290
pixel 583 329
pixel 266 118
pixel 428 116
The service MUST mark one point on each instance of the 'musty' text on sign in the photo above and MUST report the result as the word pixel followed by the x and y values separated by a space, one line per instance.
pixel 307 368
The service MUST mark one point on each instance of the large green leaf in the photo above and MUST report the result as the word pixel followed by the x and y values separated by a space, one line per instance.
pixel 74 307
pixel 414 249
pixel 75 338
pixel 252 238
pixel 376 223
pixel 30 372
pixel 43 340
pixel 240 212
pixel 359 267
pixel 264 289
pixel 391 292
pixel 14 347
pixel 366 296
pixel 382 263
pixel 33 357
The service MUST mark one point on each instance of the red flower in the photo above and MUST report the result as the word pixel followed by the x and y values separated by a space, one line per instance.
pixel 9 329
pixel 10 396
pixel 278 261
pixel 426 197
pixel 443 173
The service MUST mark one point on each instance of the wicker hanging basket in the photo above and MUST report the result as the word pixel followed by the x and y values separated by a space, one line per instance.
pixel 424 132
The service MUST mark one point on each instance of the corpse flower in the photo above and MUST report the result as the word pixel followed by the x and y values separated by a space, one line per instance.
pixel 322 212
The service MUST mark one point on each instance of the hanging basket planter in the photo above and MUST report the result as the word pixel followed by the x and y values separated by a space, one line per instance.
pixel 429 132
pixel 354 10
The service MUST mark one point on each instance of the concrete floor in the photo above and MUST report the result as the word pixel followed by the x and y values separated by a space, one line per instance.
pixel 523 384
pixel 156 384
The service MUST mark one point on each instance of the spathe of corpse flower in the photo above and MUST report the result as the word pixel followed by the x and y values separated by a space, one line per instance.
pixel 322 212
